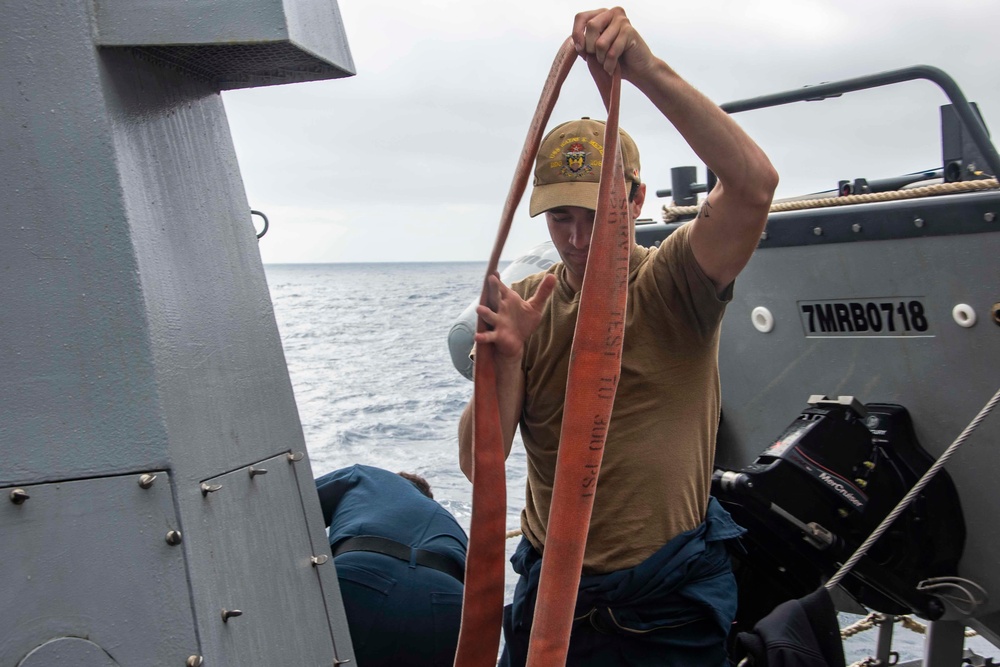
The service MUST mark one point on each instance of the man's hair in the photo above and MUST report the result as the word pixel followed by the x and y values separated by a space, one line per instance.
pixel 633 190
pixel 419 482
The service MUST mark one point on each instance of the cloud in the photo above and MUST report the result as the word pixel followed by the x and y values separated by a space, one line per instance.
pixel 430 129
pixel 300 234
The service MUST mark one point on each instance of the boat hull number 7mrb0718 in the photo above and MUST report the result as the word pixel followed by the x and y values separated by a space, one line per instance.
pixel 892 317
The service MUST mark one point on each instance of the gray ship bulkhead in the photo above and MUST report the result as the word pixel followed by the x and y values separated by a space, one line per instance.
pixel 143 385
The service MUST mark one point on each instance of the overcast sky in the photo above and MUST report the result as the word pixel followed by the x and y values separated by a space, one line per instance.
pixel 412 158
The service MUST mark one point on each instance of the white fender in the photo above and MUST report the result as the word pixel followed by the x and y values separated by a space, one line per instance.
pixel 460 335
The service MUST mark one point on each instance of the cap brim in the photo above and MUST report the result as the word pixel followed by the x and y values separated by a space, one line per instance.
pixel 554 195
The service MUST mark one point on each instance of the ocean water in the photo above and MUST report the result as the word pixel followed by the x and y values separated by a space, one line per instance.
pixel 366 347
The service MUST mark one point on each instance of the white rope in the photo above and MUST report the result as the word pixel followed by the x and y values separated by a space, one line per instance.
pixel 867 662
pixel 875 619
pixel 909 497
pixel 865 624
pixel 672 213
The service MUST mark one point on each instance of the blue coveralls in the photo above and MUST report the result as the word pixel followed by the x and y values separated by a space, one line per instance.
pixel 673 609
pixel 399 613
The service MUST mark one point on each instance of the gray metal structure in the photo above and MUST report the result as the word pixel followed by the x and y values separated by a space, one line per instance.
pixel 156 504
pixel 943 375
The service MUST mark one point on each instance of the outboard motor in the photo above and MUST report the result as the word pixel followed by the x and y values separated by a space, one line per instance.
pixel 813 496
pixel 463 329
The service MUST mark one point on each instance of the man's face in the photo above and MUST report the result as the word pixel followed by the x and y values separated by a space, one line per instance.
pixel 570 228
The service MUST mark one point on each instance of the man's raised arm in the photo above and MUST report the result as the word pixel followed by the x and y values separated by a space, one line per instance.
pixel 727 229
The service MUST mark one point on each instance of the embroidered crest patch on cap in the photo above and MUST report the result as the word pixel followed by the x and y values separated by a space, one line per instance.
pixel 576 160
pixel 568 166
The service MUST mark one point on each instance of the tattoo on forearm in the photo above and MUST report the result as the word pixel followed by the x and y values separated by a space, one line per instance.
pixel 706 209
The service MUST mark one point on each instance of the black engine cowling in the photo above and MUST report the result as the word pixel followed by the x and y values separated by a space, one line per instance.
pixel 815 494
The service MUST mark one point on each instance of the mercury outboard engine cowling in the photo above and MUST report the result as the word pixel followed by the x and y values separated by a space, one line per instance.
pixel 813 496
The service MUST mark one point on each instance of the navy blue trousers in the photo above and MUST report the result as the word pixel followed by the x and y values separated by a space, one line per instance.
pixel 674 609
pixel 398 614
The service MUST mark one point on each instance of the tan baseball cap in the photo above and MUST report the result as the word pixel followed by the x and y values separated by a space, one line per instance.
pixel 568 166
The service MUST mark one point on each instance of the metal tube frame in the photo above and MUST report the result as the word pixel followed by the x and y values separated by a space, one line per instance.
pixel 837 88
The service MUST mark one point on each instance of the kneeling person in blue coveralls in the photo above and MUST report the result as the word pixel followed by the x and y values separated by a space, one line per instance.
pixel 400 559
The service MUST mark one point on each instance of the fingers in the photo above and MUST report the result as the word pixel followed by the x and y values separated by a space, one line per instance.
pixel 492 292
pixel 604 34
pixel 484 337
pixel 579 34
pixel 542 294
pixel 489 316
pixel 616 50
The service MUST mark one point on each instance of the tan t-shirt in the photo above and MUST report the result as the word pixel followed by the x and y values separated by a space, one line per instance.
pixel 657 466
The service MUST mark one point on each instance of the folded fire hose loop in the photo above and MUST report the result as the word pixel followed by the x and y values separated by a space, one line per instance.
pixel 591 386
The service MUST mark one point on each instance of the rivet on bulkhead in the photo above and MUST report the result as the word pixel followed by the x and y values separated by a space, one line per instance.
pixel 257 471
pixel 319 560
pixel 18 496
pixel 230 613
pixel 174 537
pixel 209 488
pixel 990 216
pixel 194 661
pixel 818 231
pixel 855 228
pixel 146 481
pixel 918 222
pixel 295 457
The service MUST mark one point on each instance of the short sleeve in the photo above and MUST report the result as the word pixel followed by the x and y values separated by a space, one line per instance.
pixel 683 286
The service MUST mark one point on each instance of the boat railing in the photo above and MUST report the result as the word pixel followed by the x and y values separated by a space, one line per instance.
pixel 970 119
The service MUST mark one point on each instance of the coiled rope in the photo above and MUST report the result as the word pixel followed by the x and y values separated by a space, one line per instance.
pixel 673 213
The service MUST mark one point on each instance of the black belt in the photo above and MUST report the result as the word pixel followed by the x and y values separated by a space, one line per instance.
pixel 387 547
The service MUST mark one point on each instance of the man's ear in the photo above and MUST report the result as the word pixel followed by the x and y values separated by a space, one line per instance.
pixel 638 200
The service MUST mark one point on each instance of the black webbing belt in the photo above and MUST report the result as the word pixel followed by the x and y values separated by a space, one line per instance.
pixel 387 547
